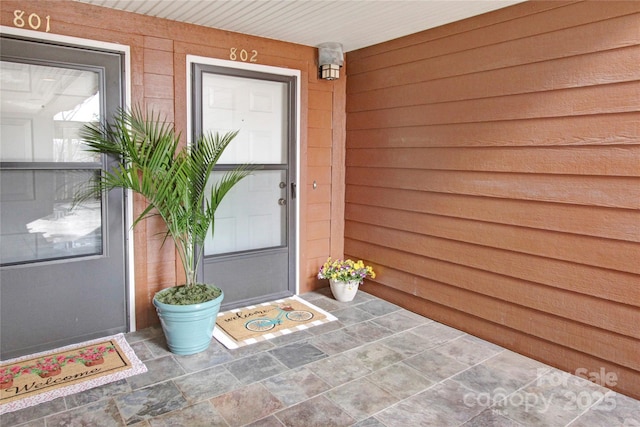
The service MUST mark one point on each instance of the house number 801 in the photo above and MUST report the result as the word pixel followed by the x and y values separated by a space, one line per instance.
pixel 243 55
pixel 32 21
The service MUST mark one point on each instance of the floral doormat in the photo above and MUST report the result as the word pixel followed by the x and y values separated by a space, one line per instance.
pixel 38 378
pixel 255 323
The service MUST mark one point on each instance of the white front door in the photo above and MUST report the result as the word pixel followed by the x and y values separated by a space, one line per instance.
pixel 251 255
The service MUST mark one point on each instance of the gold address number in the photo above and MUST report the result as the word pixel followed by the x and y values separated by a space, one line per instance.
pixel 33 20
pixel 243 55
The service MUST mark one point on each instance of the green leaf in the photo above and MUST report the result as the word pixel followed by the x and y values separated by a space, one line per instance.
pixel 153 163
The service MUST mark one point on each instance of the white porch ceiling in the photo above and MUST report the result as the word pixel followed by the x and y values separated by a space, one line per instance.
pixel 354 23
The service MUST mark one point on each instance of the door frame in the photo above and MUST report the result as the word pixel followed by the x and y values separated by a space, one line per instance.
pixel 125 51
pixel 194 59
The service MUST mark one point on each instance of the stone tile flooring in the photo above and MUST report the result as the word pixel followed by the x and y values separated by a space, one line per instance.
pixel 379 365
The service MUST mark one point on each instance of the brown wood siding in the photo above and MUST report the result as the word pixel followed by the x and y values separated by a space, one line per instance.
pixel 493 179
pixel 158 78
pixel 325 201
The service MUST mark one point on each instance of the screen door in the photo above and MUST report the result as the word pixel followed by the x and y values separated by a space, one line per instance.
pixel 62 270
pixel 251 255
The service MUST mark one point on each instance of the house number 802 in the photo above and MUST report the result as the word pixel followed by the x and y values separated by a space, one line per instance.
pixel 32 21
pixel 243 55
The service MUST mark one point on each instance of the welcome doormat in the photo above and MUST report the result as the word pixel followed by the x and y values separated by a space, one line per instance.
pixel 38 378
pixel 255 323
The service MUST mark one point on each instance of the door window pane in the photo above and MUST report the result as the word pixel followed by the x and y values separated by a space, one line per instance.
pixel 257 108
pixel 43 108
pixel 251 216
pixel 36 219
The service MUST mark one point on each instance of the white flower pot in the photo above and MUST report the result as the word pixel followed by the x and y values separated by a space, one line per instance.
pixel 344 291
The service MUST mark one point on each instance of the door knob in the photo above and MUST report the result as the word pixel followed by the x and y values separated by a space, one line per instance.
pixel 282 202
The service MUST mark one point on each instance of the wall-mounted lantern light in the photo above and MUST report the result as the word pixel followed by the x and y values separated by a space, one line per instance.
pixel 330 59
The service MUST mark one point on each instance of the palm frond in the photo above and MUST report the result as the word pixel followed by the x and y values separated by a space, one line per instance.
pixel 172 178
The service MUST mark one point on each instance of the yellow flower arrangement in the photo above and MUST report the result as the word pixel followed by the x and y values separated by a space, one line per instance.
pixel 345 270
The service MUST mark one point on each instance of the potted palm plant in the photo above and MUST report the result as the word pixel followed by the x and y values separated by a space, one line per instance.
pixel 173 179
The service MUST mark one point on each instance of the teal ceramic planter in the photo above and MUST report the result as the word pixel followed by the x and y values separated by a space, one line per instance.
pixel 188 328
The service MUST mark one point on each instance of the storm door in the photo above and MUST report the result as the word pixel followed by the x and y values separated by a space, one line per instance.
pixel 252 253
pixel 62 272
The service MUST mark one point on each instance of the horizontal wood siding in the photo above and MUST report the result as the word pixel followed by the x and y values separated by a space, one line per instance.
pixel 319 196
pixel 158 80
pixel 493 179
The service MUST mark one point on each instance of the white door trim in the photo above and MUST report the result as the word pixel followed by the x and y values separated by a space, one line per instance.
pixel 191 59
pixel 126 51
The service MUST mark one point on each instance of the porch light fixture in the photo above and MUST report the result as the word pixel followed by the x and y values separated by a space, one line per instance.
pixel 330 59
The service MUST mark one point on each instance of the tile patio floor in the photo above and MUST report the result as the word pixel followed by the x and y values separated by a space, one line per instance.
pixel 379 365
